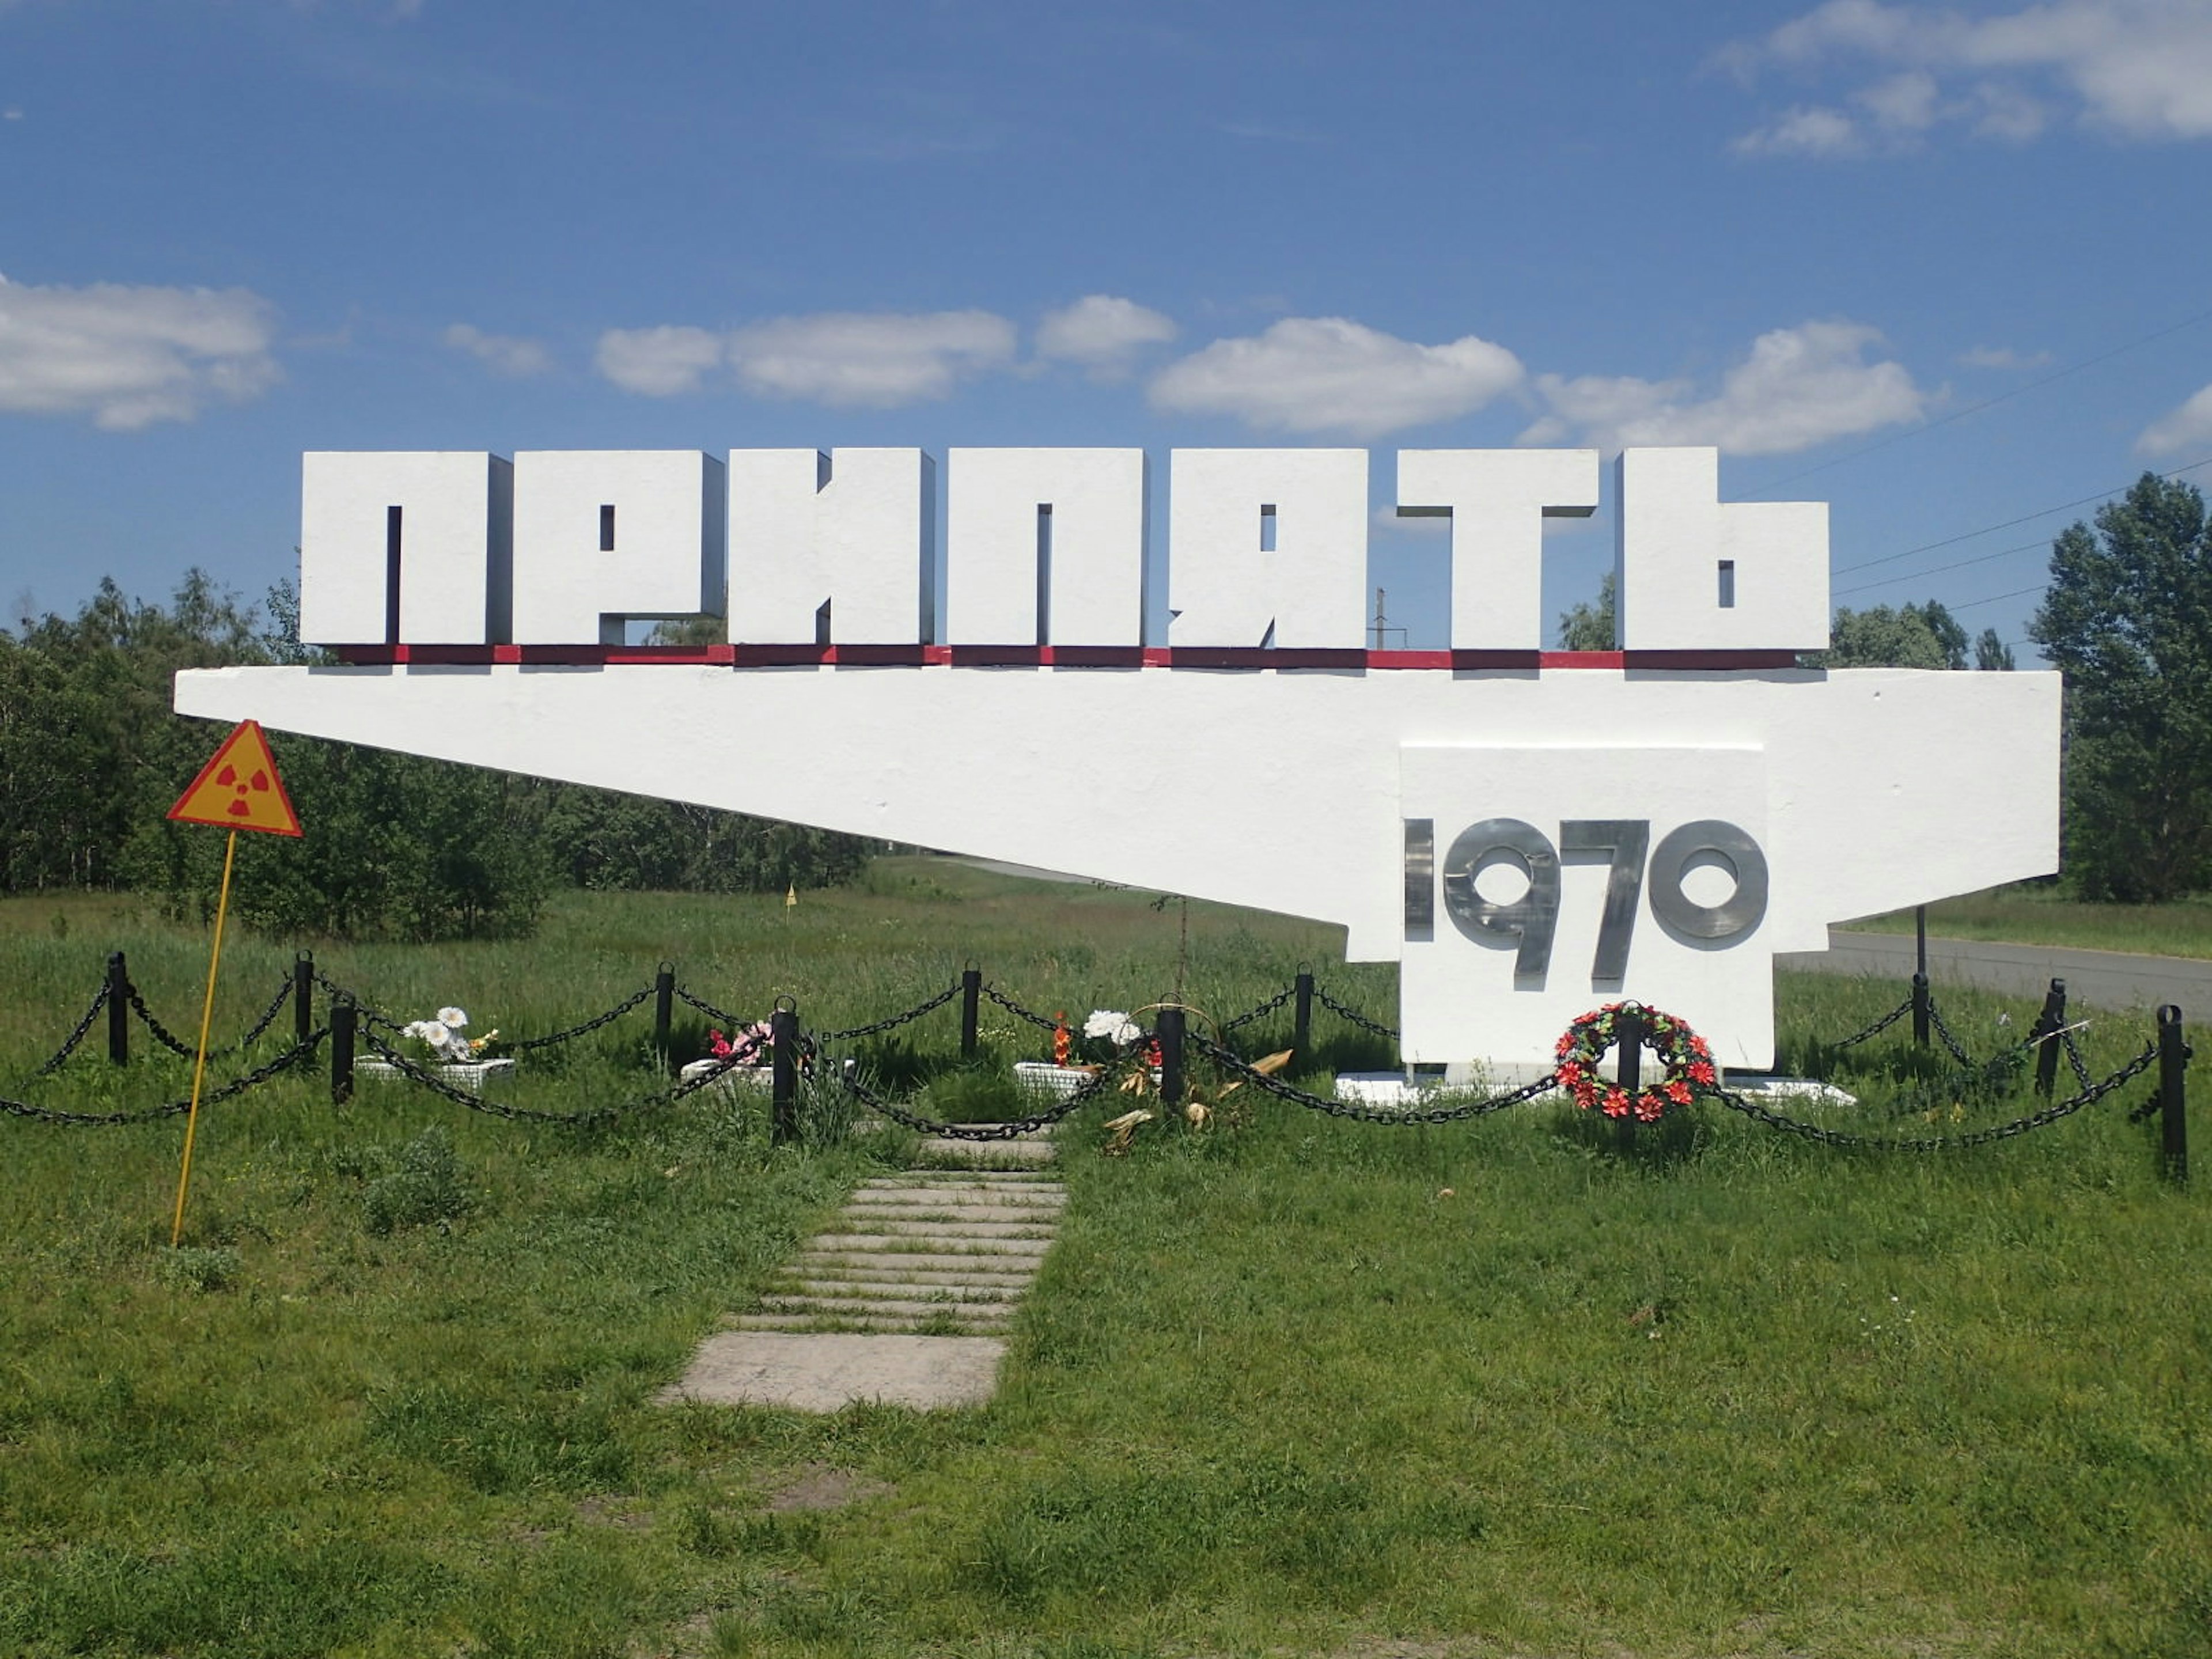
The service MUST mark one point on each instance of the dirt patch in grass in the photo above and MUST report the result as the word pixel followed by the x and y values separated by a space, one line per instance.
pixel 818 1487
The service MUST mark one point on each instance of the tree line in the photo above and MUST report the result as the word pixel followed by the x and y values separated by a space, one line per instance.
pixel 2128 618
pixel 396 846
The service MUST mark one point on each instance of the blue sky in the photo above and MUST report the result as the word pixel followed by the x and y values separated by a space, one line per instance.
pixel 1944 269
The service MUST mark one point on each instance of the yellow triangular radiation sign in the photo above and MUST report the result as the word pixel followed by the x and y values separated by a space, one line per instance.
pixel 239 789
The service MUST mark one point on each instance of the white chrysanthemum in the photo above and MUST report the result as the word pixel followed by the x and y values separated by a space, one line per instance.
pixel 432 1031
pixel 452 1018
pixel 1112 1024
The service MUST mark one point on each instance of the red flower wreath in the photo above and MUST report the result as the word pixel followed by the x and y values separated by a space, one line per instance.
pixel 1685 1062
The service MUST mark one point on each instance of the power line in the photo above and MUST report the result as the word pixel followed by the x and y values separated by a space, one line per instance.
pixel 2016 593
pixel 1987 402
pixel 2026 518
pixel 1937 571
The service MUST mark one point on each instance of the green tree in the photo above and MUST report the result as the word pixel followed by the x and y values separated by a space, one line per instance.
pixel 1910 636
pixel 1591 625
pixel 2128 618
pixel 1992 652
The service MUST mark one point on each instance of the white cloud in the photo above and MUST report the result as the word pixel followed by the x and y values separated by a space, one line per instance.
pixel 2189 427
pixel 11 113
pixel 1102 332
pixel 869 360
pixel 1330 374
pixel 1798 388
pixel 2142 68
pixel 1804 131
pixel 1903 103
pixel 503 354
pixel 132 356
pixel 843 359
pixel 2003 357
pixel 658 362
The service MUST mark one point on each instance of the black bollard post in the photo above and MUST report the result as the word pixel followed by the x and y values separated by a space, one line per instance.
pixel 118 1010
pixel 783 1050
pixel 1920 975
pixel 343 1016
pixel 2173 1119
pixel 971 988
pixel 303 995
pixel 664 1010
pixel 1169 1032
pixel 2048 1024
pixel 1302 1025
pixel 1628 1070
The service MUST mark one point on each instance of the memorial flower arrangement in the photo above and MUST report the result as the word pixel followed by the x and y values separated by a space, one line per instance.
pixel 748 1047
pixel 443 1036
pixel 1685 1063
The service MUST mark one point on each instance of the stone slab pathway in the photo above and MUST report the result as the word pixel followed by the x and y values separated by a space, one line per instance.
pixel 905 1298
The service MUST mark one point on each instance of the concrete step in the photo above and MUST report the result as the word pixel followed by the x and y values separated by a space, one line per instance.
pixel 946 1320
pixel 1047 1202
pixel 920 1264
pixel 1023 1217
pixel 908 1226
pixel 949 1295
pixel 936 1242
pixel 883 1307
pixel 980 1180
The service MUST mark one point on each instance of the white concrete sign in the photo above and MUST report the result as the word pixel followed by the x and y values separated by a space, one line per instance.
pixel 1528 833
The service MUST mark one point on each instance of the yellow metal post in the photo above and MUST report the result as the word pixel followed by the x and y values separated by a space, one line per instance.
pixel 199 1056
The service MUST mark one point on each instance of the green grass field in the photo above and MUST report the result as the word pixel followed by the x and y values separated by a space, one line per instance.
pixel 1306 1387
pixel 2030 915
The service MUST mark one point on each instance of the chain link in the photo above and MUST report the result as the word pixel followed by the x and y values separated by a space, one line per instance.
pixel 177 1045
pixel 1080 1096
pixel 1352 1014
pixel 69 1044
pixel 894 1020
pixel 1018 1011
pixel 2073 1058
pixel 367 1015
pixel 1280 999
pixel 1877 1028
pixel 736 1022
pixel 237 1086
pixel 1943 1030
pixel 591 1024
pixel 2018 1126
pixel 1360 1110
pixel 476 1102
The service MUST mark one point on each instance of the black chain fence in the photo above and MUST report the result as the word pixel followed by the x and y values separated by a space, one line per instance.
pixel 1988 1079
pixel 366 1013
pixel 1373 1028
pixel 1360 1110
pixel 1759 1113
pixel 529 1044
pixel 237 1086
pixel 1076 1099
pixel 1018 1011
pixel 893 1022
pixel 177 1045
pixel 60 1055
pixel 424 1077
pixel 1875 1029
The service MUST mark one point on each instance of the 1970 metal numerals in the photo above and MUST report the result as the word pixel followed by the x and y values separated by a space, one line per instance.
pixel 1530 921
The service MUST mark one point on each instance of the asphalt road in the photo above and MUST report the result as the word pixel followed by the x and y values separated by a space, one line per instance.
pixel 2101 979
